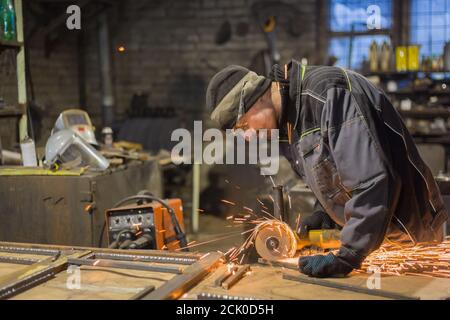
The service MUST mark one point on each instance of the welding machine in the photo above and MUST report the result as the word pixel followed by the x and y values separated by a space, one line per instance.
pixel 152 223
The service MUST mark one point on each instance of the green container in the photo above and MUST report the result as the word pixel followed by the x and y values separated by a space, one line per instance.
pixel 7 20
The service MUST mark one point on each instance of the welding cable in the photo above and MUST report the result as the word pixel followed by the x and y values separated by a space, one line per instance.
pixel 181 237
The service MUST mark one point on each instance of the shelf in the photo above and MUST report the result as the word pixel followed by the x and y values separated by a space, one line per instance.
pixel 420 92
pixel 11 44
pixel 10 111
pixel 403 74
pixel 426 114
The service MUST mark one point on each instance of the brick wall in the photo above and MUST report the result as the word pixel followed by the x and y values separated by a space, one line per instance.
pixel 170 53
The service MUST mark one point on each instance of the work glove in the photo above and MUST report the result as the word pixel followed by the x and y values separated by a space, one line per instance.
pixel 330 265
pixel 315 221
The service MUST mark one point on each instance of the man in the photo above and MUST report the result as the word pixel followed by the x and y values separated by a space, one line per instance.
pixel 348 143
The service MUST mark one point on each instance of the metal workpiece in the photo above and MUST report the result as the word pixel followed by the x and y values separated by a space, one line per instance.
pixel 192 275
pixel 28 250
pixel 215 296
pixel 33 275
pixel 142 258
pixel 347 287
pixel 236 276
pixel 142 293
pixel 220 279
pixel 18 260
pixel 124 265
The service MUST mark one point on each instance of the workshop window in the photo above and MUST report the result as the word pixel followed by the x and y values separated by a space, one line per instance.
pixel 350 35
pixel 430 25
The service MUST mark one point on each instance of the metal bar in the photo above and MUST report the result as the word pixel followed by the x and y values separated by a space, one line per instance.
pixel 124 265
pixel 234 278
pixel 139 258
pixel 178 285
pixel 143 293
pixel 347 287
pixel 17 260
pixel 214 296
pixel 44 252
pixel 34 274
pixel 56 248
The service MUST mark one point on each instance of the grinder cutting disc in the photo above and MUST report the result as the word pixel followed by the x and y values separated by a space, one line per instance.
pixel 275 240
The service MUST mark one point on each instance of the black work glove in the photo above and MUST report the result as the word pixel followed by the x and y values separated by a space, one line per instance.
pixel 317 220
pixel 330 265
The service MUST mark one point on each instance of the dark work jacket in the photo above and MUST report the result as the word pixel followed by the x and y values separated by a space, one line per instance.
pixel 353 150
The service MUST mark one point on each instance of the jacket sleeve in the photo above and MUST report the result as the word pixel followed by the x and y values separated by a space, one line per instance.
pixel 362 173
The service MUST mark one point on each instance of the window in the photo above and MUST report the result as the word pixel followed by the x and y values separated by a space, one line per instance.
pixel 430 25
pixel 350 36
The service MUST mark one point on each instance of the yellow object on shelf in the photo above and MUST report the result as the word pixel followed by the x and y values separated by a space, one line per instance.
pixel 407 58
pixel 413 58
pixel 401 61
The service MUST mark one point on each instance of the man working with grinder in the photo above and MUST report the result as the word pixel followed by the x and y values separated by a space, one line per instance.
pixel 348 143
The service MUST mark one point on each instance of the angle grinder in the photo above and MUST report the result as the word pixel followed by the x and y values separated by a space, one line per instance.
pixel 275 240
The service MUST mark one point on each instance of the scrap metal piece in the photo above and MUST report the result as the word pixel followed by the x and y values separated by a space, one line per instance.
pixel 235 277
pixel 275 240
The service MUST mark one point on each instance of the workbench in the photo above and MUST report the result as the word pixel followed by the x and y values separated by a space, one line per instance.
pixel 69 209
pixel 31 271
pixel 278 282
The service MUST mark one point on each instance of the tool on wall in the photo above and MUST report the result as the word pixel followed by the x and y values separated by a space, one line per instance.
pixel 149 223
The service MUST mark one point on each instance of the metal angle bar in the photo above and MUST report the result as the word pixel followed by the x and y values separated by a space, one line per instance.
pixel 347 287
pixel 224 276
pixel 130 257
pixel 125 265
pixel 234 278
pixel 192 275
